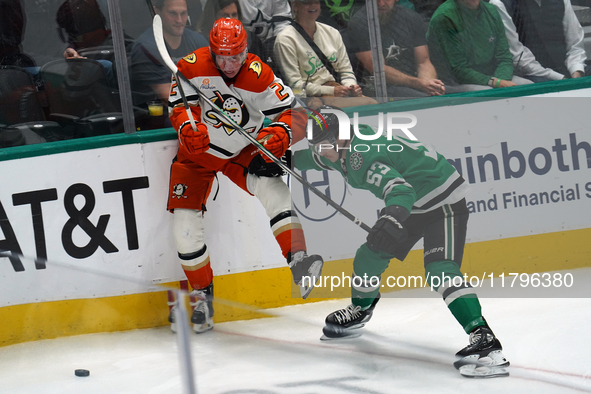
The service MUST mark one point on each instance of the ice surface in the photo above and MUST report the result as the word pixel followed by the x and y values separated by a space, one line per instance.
pixel 407 347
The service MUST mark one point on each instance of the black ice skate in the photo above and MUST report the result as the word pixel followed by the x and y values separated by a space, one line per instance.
pixel 202 304
pixel 483 357
pixel 305 271
pixel 344 322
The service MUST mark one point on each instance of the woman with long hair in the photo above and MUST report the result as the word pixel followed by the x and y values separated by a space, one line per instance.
pixel 302 67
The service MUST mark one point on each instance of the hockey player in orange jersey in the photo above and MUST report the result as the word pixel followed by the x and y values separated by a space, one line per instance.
pixel 246 89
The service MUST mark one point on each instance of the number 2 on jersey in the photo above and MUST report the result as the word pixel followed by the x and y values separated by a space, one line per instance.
pixel 278 88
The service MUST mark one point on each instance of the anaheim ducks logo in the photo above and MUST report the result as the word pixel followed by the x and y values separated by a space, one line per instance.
pixel 233 107
pixel 257 67
pixel 178 190
pixel 190 58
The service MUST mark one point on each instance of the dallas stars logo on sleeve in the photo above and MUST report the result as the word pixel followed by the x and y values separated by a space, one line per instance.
pixel 356 161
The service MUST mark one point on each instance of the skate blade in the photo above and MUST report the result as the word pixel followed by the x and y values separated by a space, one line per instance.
pixel 314 271
pixel 493 365
pixel 349 335
pixel 483 372
pixel 173 328
pixel 351 332
pixel 201 328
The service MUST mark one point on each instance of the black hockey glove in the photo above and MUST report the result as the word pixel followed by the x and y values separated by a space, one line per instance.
pixel 388 231
pixel 258 166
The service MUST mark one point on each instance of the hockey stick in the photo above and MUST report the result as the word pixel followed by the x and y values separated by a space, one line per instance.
pixel 151 7
pixel 160 42
pixel 157 26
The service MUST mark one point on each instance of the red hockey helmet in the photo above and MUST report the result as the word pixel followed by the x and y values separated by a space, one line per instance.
pixel 227 44
pixel 227 37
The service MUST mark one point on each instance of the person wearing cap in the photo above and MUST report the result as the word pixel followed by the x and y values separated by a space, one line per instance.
pixel 247 91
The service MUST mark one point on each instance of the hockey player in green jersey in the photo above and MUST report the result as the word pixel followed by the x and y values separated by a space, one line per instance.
pixel 424 198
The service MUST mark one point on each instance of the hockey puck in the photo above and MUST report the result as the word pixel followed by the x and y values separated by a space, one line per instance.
pixel 82 372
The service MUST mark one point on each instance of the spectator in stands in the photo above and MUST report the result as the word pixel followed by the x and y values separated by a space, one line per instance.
pixel 426 8
pixel 303 67
pixel 338 13
pixel 150 78
pixel 216 9
pixel 469 47
pixel 13 22
pixel 82 25
pixel 408 68
pixel 195 8
pixel 545 38
pixel 265 18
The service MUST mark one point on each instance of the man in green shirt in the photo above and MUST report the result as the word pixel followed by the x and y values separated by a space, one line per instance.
pixel 468 46
pixel 424 198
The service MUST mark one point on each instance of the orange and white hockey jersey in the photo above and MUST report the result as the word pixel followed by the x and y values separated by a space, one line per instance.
pixel 255 93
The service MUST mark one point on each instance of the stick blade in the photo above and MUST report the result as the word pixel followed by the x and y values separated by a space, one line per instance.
pixel 159 37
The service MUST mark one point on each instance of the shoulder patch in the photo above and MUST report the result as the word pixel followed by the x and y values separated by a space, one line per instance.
pixel 190 58
pixel 257 67
pixel 356 161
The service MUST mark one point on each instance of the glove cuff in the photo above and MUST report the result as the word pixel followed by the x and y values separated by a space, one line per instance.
pixel 186 122
pixel 285 127
pixel 179 131
pixel 396 211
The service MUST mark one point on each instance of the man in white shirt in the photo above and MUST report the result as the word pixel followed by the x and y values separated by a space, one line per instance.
pixel 545 39
pixel 265 18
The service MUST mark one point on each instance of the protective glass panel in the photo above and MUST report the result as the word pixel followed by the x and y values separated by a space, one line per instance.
pixel 86 286
pixel 514 166
pixel 150 77
pixel 58 69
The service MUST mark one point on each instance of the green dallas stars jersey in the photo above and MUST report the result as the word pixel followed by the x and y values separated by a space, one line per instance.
pixel 410 174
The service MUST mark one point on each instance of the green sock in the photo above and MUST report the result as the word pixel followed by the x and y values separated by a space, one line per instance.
pixel 465 308
pixel 364 300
